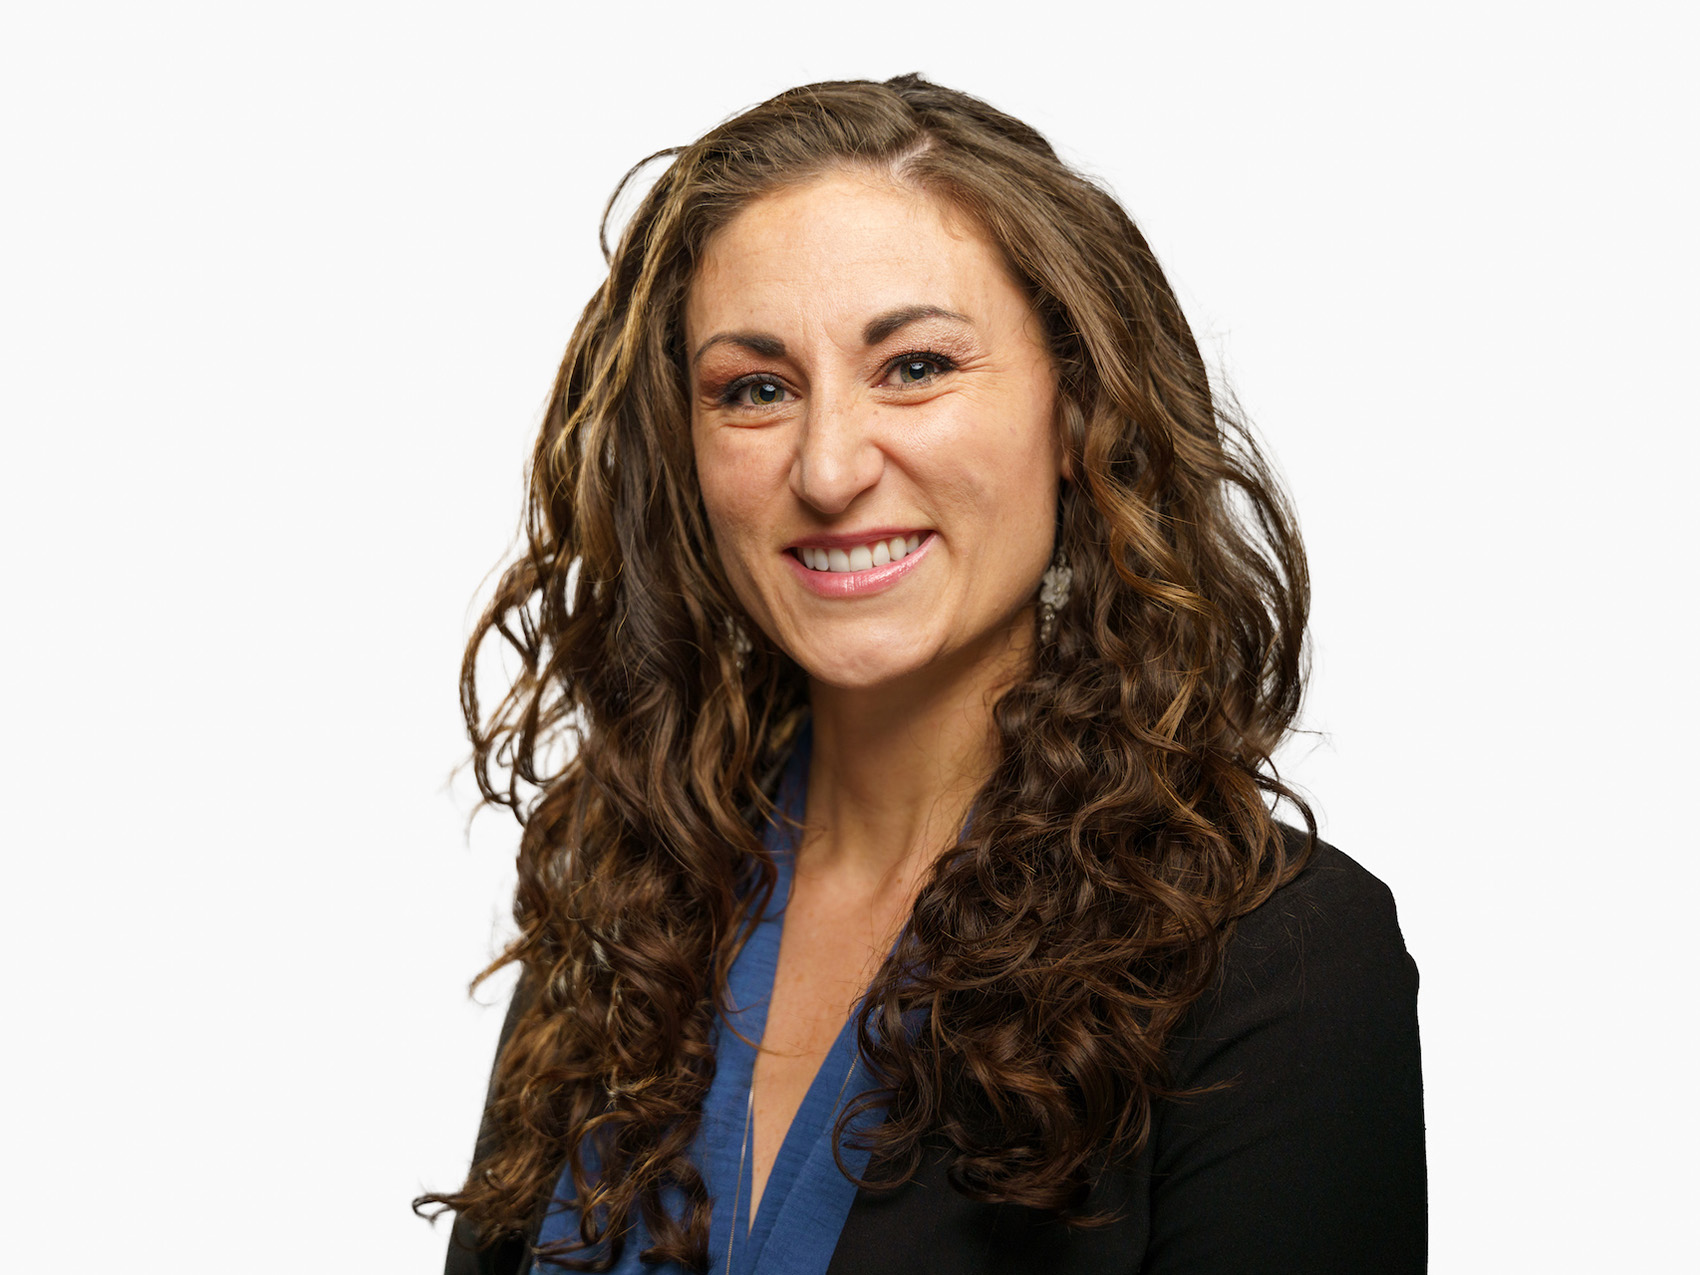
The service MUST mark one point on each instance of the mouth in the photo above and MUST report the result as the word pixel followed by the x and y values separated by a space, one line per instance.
pixel 858 565
pixel 835 554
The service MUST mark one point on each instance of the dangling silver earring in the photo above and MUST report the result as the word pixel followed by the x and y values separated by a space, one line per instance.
pixel 1053 592
pixel 740 640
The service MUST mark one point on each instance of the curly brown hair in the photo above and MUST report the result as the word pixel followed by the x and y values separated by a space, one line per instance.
pixel 1127 821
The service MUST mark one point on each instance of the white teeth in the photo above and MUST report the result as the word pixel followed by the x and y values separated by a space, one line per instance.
pixel 875 554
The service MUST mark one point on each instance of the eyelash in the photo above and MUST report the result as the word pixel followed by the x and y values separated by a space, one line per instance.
pixel 941 364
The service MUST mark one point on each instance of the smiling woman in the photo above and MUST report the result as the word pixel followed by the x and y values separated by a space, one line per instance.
pixel 912 899
pixel 888 392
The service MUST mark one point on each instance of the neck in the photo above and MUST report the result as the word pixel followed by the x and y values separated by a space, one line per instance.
pixel 895 768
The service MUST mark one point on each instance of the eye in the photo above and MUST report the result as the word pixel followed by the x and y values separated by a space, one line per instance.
pixel 754 391
pixel 918 369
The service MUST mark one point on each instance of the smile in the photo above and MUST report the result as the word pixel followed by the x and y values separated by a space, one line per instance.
pixel 875 553
pixel 847 569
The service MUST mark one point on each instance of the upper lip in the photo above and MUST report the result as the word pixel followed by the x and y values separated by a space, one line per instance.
pixel 850 539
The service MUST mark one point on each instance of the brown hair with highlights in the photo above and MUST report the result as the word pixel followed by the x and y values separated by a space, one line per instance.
pixel 1127 821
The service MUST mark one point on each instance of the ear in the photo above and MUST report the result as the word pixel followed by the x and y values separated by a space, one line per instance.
pixel 1060 440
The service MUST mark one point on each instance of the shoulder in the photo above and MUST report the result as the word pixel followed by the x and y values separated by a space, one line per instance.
pixel 1300 1080
pixel 1321 961
pixel 1333 926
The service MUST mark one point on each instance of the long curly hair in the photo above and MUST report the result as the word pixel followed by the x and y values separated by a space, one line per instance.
pixel 1126 824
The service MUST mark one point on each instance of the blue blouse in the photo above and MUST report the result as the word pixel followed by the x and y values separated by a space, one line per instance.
pixel 806 1198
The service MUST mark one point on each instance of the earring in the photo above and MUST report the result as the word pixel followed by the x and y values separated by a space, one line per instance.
pixel 1053 593
pixel 740 640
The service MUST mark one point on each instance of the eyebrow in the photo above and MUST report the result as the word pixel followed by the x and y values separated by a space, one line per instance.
pixel 878 329
pixel 769 347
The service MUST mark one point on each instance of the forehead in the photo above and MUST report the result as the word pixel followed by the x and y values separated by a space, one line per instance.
pixel 849 243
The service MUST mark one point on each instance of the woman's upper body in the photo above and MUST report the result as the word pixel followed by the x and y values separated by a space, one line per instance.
pixel 1302 1151
pixel 887 428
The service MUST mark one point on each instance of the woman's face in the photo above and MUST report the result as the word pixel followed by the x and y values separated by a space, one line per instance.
pixel 872 416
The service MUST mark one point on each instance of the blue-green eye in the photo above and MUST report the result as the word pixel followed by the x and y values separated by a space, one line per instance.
pixel 758 391
pixel 917 369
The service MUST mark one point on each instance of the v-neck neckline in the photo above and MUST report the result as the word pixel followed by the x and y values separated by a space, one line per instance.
pixel 834 1071
pixel 808 1136
pixel 807 1197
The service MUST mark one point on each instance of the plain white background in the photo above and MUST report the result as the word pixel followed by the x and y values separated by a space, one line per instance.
pixel 283 291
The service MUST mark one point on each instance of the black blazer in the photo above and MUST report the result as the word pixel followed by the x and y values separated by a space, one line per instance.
pixel 1310 1160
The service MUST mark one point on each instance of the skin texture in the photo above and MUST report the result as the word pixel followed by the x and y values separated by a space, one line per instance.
pixel 802 427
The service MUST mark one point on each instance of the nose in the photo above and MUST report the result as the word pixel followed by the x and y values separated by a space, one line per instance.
pixel 838 457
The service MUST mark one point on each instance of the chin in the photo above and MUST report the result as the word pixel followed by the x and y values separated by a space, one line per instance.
pixel 860 674
pixel 862 666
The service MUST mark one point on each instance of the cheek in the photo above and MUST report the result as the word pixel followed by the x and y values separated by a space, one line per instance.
pixel 733 482
pixel 1031 453
pixel 997 453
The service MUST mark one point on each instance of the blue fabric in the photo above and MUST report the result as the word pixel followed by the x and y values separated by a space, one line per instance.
pixel 806 1198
